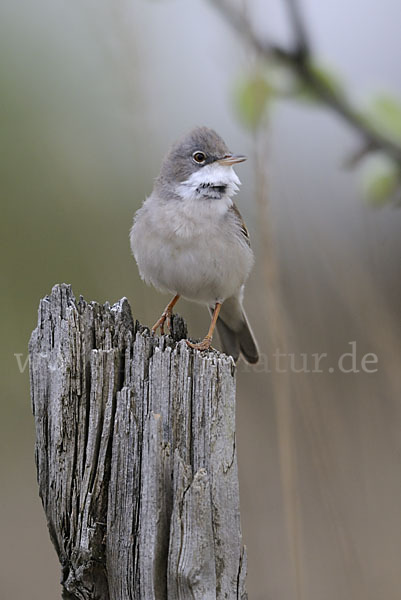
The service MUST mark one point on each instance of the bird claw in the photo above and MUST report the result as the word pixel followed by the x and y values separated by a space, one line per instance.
pixel 205 344
pixel 160 323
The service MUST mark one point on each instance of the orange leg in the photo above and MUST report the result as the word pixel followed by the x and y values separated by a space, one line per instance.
pixel 166 315
pixel 207 341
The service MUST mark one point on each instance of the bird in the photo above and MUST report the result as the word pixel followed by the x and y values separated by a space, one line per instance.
pixel 188 239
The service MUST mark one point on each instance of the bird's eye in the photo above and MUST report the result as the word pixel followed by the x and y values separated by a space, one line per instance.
pixel 199 157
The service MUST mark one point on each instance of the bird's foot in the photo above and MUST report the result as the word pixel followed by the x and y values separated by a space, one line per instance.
pixel 205 344
pixel 165 316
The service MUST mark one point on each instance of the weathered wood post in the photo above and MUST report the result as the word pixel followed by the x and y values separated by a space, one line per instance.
pixel 136 456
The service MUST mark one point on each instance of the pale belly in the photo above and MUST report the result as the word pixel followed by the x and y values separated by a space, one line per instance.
pixel 203 274
pixel 204 268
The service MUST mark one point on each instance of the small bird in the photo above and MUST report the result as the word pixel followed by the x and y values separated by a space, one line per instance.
pixel 189 239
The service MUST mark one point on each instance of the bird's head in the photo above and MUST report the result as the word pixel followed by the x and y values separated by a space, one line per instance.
pixel 200 166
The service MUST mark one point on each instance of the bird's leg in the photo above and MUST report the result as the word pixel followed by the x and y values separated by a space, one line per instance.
pixel 207 341
pixel 166 315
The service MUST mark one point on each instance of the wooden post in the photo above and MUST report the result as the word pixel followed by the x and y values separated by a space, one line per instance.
pixel 135 455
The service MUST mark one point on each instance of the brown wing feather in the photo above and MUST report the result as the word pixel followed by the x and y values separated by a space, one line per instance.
pixel 241 223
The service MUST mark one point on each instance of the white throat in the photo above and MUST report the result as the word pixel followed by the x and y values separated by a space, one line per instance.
pixel 214 183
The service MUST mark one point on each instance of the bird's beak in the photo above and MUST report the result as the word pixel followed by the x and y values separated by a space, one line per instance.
pixel 231 159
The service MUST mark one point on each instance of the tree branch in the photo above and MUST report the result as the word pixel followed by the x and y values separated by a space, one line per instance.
pixel 300 62
pixel 302 45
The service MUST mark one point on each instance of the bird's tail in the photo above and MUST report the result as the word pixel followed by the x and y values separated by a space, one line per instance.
pixel 235 333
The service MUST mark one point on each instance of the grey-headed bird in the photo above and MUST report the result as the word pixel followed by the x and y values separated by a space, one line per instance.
pixel 189 239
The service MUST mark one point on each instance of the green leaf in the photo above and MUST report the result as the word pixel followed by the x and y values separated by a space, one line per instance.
pixel 385 114
pixel 328 78
pixel 252 98
pixel 381 181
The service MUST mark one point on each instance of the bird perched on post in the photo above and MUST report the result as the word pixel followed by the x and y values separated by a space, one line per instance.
pixel 189 239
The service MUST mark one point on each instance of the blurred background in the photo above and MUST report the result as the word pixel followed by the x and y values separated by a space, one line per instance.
pixel 92 94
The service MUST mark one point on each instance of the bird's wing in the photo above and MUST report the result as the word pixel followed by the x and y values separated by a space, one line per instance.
pixel 243 229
